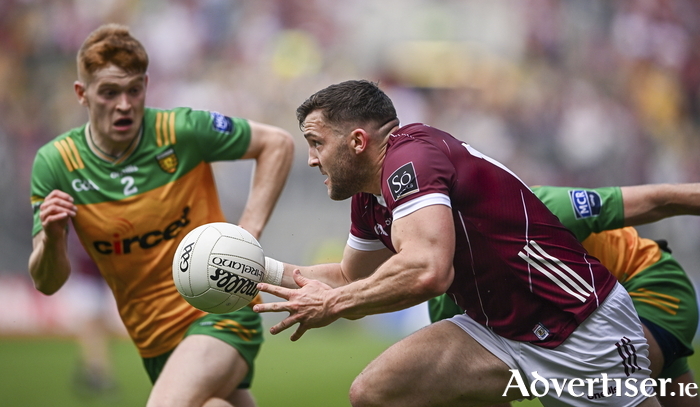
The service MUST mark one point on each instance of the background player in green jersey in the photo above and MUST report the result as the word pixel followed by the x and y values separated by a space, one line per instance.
pixel 662 293
pixel 133 181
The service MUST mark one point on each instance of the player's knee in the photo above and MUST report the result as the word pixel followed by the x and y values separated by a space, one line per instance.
pixel 364 393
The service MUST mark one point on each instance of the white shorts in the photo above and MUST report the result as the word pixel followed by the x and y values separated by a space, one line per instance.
pixel 608 345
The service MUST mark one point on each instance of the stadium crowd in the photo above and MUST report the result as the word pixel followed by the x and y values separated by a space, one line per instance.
pixel 564 93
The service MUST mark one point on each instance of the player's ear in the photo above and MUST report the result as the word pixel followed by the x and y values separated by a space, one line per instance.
pixel 80 89
pixel 359 140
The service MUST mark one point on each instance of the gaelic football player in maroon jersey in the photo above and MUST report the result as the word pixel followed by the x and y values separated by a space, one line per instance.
pixel 431 214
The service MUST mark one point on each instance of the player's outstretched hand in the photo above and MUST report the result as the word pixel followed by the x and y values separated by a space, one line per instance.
pixel 55 211
pixel 307 305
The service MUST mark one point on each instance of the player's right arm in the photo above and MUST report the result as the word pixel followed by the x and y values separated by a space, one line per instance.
pixel 355 264
pixel 49 266
pixel 653 202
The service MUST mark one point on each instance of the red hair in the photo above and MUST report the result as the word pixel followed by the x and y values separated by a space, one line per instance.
pixel 111 44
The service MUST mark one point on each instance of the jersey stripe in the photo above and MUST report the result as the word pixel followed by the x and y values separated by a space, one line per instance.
pixel 562 265
pixel 551 277
pixel 165 128
pixel 76 154
pixel 69 153
pixel 662 301
pixel 64 155
pixel 550 270
pixel 159 142
pixel 172 127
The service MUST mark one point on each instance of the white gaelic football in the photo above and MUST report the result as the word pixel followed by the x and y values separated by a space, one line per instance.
pixel 217 266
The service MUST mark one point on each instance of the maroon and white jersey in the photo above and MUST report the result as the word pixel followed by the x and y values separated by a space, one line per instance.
pixel 518 270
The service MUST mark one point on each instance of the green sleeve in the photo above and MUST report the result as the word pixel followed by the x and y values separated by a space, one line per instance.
pixel 43 182
pixel 584 211
pixel 443 307
pixel 217 137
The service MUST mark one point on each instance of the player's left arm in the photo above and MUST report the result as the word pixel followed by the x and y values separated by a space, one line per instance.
pixel 273 151
pixel 421 269
pixel 653 202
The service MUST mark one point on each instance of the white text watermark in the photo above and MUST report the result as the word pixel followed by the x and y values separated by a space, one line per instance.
pixel 594 388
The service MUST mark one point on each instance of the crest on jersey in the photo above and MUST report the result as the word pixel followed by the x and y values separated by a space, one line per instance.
pixel 403 181
pixel 586 204
pixel 167 160
pixel 541 332
pixel 221 123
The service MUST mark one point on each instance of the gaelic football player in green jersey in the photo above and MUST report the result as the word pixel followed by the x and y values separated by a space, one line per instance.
pixel 661 291
pixel 133 181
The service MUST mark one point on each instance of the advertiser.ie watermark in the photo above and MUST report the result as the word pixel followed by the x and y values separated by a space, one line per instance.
pixel 590 387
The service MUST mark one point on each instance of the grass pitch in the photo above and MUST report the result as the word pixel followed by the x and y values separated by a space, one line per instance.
pixel 315 371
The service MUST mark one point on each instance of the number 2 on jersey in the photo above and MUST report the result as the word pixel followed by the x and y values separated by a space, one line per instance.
pixel 129 188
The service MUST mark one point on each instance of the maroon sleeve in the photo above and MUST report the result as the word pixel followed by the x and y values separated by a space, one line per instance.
pixel 359 216
pixel 414 168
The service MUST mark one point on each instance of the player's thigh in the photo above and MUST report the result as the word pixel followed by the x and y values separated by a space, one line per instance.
pixel 438 365
pixel 201 367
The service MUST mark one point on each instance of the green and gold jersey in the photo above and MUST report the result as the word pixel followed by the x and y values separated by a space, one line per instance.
pixel 660 289
pixel 132 211
pixel 596 216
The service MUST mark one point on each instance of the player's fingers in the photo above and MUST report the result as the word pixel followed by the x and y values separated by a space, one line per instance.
pixel 50 205
pixel 299 279
pixel 271 307
pixel 59 198
pixel 55 214
pixel 54 218
pixel 57 193
pixel 284 324
pixel 301 330
pixel 274 290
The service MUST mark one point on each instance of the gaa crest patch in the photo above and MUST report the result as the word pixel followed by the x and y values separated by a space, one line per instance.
pixel 403 181
pixel 167 160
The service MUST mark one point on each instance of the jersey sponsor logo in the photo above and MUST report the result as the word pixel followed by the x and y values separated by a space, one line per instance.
pixel 83 185
pixel 145 241
pixel 167 160
pixel 129 169
pixel 403 182
pixel 556 270
pixel 586 204
pixel 221 123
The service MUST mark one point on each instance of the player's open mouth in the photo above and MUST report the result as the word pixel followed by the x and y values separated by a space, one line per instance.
pixel 123 123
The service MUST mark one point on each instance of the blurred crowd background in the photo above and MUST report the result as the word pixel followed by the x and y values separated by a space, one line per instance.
pixel 576 93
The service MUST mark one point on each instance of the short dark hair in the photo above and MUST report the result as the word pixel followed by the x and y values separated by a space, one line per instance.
pixel 349 102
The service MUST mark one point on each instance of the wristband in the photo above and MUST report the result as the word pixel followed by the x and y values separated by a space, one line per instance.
pixel 274 269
